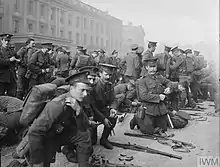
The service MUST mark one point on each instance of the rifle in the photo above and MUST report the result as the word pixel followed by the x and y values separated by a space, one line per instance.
pixel 99 161
pixel 176 143
pixel 144 149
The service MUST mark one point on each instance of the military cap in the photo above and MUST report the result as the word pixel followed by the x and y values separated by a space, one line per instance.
pixel 6 36
pixel 114 52
pixel 196 52
pixel 151 43
pixel 174 48
pixel 188 51
pixel 140 50
pixel 167 48
pixel 47 45
pixel 181 50
pixel 91 69
pixel 84 49
pixel 78 77
pixel 101 51
pixel 109 68
pixel 59 49
pixel 29 40
pixel 134 47
pixel 79 47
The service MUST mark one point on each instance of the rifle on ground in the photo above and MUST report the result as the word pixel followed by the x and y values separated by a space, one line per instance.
pixel 99 161
pixel 175 144
pixel 144 149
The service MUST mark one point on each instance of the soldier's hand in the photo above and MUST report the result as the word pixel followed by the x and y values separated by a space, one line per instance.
pixel 167 91
pixel 113 113
pixel 47 69
pixel 74 104
pixel 181 88
pixel 93 123
pixel 12 59
pixel 134 103
pixel 107 123
pixel 162 97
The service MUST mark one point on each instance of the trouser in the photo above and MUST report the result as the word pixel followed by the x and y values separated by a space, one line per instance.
pixel 81 140
pixel 149 123
pixel 174 99
pixel 8 89
pixel 107 130
pixel 194 86
pixel 22 86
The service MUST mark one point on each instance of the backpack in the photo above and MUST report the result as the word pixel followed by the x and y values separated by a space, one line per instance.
pixel 178 122
pixel 189 64
pixel 35 102
pixel 200 62
pixel 82 61
pixel 162 60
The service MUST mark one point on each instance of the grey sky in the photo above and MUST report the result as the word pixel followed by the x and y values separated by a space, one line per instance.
pixel 182 22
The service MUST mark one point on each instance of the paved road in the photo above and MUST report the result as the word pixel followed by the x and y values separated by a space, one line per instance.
pixel 203 134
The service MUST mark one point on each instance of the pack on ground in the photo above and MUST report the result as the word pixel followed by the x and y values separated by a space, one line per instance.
pixel 35 102
pixel 178 122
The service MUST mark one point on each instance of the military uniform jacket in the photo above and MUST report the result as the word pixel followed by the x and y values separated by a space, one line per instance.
pixel 7 68
pixel 179 66
pixel 63 62
pixel 132 65
pixel 145 55
pixel 56 122
pixel 149 88
pixel 122 89
pixel 39 61
pixel 104 95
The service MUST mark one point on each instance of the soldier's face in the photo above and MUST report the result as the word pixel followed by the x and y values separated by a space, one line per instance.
pixel 5 42
pixel 104 75
pixel 151 68
pixel 79 91
pixel 91 79
pixel 153 48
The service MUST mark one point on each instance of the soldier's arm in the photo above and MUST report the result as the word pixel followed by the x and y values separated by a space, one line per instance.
pixel 32 64
pixel 3 61
pixel 20 54
pixel 58 61
pixel 40 128
pixel 137 63
pixel 73 62
pixel 144 93
pixel 168 83
pixel 176 64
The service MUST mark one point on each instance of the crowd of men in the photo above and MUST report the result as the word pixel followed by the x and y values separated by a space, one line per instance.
pixel 100 87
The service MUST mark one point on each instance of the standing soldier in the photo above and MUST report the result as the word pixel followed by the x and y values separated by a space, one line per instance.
pixel 132 64
pixel 39 65
pixel 62 62
pixel 105 102
pixel 140 50
pixel 151 48
pixel 24 54
pixel 7 67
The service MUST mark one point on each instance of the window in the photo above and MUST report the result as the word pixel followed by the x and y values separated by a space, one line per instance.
pixel 97 27
pixel 91 40
pixel 1 2
pixel 85 23
pixel 97 41
pixel 77 22
pixel 61 33
pixel 70 35
pixel 53 31
pixel 41 29
pixel 92 25
pixel 42 10
pixel 70 19
pixel 1 23
pixel 77 38
pixel 16 26
pixel 62 17
pixel 30 27
pixel 52 16
pixel 102 44
pixel 85 39
pixel 102 30
pixel 17 5
pixel 30 7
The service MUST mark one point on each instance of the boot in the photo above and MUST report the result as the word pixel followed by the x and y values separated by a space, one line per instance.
pixel 94 135
pixel 133 123
pixel 104 139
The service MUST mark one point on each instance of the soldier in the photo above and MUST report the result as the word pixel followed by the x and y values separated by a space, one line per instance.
pixel 164 60
pixel 62 121
pixel 132 64
pixel 151 48
pixel 102 57
pixel 152 93
pixel 7 67
pixel 125 94
pixel 40 65
pixel 105 102
pixel 139 52
pixel 63 63
pixel 24 54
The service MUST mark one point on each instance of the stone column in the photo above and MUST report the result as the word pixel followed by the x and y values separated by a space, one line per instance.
pixel 37 16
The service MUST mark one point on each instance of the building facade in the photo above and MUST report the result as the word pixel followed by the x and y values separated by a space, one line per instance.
pixel 132 35
pixel 63 22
